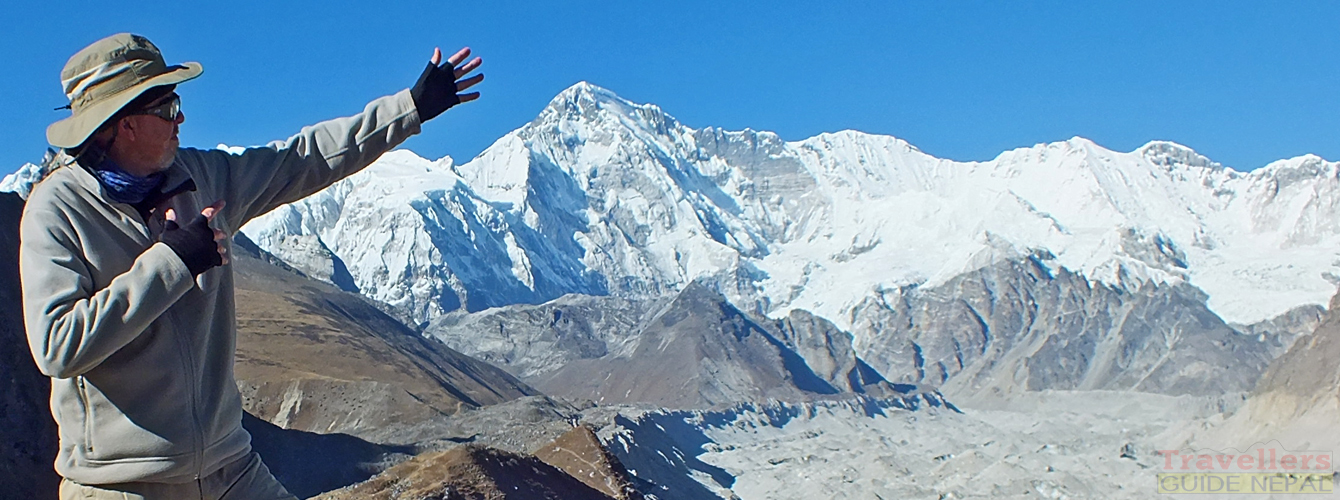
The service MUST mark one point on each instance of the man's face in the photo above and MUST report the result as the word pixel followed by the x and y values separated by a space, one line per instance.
pixel 150 141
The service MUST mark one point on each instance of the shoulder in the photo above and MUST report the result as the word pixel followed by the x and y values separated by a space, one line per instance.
pixel 63 187
pixel 53 205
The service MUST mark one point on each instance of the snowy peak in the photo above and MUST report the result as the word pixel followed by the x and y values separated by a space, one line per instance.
pixel 1171 154
pixel 1298 169
pixel 591 104
pixel 584 95
pixel 22 181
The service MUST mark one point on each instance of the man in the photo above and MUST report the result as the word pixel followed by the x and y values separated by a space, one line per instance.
pixel 127 291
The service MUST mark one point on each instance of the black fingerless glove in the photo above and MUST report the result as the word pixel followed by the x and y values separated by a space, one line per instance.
pixel 435 91
pixel 194 244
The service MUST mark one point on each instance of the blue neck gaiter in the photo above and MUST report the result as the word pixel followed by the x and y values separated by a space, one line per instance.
pixel 124 187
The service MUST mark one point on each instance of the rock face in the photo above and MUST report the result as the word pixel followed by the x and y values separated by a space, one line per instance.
pixel 533 341
pixel 694 352
pixel 829 353
pixel 27 433
pixel 698 352
pixel 314 358
pixel 1020 325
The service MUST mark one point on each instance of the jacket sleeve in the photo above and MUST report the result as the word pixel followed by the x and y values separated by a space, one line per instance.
pixel 71 327
pixel 260 179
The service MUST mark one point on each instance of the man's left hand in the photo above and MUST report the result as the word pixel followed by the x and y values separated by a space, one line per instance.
pixel 440 86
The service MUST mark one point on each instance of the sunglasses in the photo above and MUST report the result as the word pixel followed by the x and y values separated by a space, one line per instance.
pixel 168 110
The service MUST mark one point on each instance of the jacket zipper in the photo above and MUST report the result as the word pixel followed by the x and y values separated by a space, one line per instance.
pixel 184 349
pixel 197 433
pixel 87 407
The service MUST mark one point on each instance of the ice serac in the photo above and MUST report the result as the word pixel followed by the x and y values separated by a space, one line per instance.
pixel 601 196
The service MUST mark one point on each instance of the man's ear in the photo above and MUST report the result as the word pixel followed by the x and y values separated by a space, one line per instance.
pixel 125 128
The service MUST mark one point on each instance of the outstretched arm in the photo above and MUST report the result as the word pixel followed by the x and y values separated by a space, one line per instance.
pixel 261 179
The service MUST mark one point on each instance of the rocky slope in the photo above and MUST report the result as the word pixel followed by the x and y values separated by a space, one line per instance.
pixel 574 466
pixel 1296 404
pixel 696 351
pixel 1028 324
pixel 1016 325
pixel 581 455
pixel 534 341
pixel 471 472
pixel 314 358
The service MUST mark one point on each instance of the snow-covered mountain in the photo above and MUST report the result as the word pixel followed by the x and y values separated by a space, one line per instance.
pixel 599 195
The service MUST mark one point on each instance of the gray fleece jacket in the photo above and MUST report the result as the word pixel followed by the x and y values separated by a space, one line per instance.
pixel 140 352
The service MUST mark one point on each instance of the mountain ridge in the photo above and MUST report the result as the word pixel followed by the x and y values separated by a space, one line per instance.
pixel 620 198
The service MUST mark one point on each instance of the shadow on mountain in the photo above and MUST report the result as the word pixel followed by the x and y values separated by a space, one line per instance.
pixel 27 432
pixel 666 447
pixel 309 464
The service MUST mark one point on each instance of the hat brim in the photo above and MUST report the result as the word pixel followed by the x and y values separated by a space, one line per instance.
pixel 74 130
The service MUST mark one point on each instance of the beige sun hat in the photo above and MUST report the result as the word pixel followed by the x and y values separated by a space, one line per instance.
pixel 106 75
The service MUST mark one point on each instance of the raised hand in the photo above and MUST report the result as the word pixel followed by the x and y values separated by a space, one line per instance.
pixel 440 86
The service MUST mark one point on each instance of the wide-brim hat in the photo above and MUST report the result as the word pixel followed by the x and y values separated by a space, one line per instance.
pixel 103 77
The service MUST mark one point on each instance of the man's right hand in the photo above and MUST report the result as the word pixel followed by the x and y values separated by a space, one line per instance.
pixel 199 246
pixel 440 85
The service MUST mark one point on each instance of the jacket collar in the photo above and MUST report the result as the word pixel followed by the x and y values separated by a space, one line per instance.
pixel 177 179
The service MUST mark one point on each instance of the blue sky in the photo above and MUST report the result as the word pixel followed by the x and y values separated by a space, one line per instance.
pixel 1244 83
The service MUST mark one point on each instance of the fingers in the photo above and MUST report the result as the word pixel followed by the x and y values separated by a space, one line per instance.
pixel 213 209
pixel 459 56
pixel 469 82
pixel 170 214
pixel 219 238
pixel 468 97
pixel 437 56
pixel 470 66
